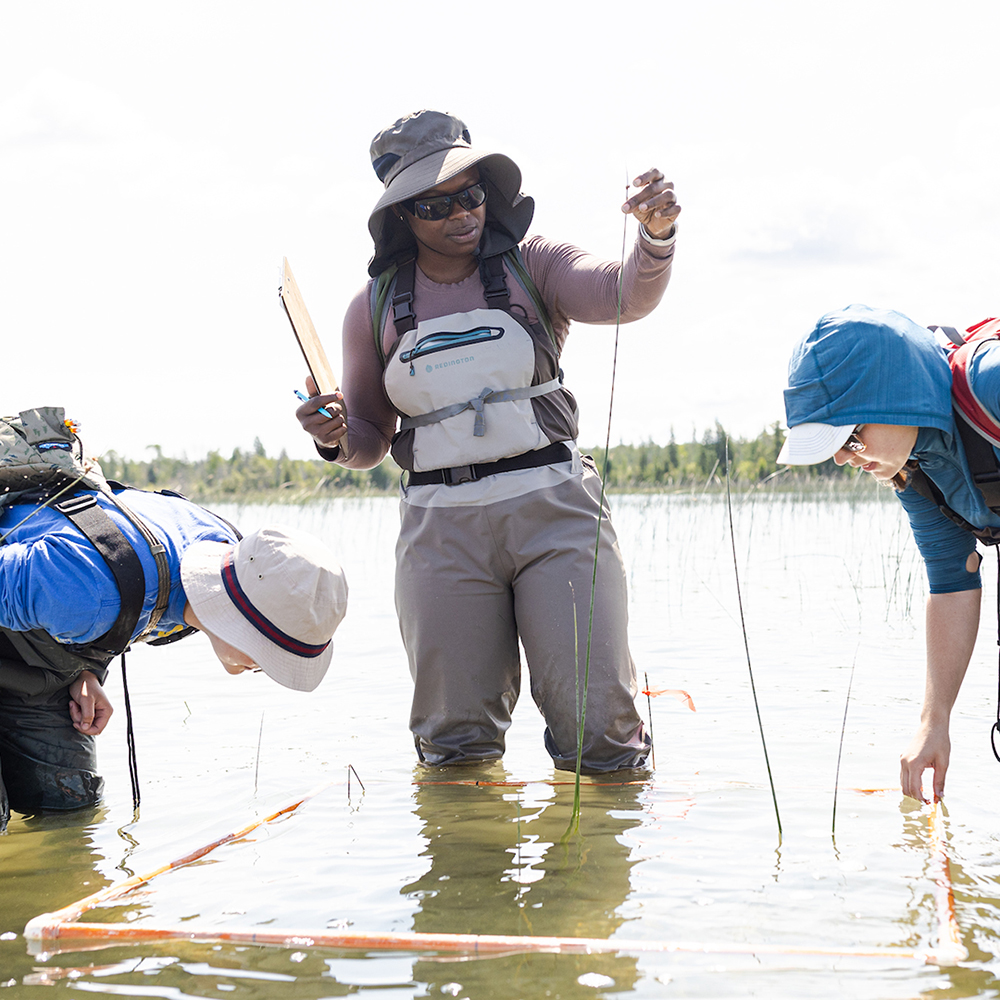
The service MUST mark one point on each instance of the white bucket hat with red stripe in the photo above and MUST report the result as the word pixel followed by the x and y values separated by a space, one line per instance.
pixel 277 596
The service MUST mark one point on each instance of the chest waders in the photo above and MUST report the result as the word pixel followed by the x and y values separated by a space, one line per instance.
pixel 479 581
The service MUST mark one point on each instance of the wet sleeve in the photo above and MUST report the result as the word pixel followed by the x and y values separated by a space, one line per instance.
pixel 944 545
pixel 580 286
pixel 371 420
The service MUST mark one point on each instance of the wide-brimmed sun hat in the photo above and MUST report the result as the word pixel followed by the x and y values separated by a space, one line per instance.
pixel 425 149
pixel 807 444
pixel 277 596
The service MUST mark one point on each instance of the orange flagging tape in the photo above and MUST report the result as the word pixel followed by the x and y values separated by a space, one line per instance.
pixel 950 944
pixel 682 696
pixel 64 924
pixel 75 910
pixel 477 944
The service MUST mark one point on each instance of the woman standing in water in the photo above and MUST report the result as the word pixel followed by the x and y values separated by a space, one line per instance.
pixel 872 389
pixel 451 356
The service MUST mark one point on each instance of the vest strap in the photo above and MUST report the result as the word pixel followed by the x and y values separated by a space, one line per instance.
pixel 486 396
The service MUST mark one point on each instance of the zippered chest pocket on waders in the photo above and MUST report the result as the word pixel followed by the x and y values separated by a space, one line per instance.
pixel 464 383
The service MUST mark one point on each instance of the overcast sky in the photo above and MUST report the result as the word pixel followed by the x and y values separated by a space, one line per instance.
pixel 158 160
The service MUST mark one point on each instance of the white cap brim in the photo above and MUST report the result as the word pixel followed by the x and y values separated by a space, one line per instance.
pixel 807 444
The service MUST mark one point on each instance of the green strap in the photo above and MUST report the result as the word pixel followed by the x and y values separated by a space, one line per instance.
pixel 379 297
pixel 520 272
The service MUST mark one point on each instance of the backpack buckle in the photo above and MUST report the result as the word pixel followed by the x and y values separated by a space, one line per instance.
pixel 74 505
pixel 400 301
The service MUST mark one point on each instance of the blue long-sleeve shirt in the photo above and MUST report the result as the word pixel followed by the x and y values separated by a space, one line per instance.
pixel 52 578
pixel 873 366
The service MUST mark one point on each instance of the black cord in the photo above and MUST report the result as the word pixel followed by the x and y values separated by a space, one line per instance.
pixel 133 766
pixel 996 725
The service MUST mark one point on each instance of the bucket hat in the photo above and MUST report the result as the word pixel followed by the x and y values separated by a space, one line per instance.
pixel 427 148
pixel 277 596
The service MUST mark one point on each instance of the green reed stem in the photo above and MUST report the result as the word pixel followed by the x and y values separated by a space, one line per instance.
pixel 746 643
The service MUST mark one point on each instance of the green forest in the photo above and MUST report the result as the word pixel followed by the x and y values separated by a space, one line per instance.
pixel 672 467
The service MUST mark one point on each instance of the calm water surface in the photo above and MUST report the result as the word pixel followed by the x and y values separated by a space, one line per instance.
pixel 692 855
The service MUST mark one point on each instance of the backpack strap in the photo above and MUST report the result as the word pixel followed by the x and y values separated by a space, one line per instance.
pixel 982 462
pixel 386 289
pixel 926 487
pixel 159 552
pixel 394 286
pixel 382 288
pixel 515 261
pixel 950 332
pixel 494 279
pixel 121 558
pixel 403 316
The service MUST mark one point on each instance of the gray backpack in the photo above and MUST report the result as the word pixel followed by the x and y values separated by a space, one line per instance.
pixel 42 457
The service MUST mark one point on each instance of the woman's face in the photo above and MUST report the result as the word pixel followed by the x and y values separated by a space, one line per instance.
pixel 887 448
pixel 459 233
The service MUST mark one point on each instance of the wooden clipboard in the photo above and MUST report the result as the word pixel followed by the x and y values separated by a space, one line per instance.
pixel 305 332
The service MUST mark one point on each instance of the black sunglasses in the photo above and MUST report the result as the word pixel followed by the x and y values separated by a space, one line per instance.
pixel 439 207
pixel 853 442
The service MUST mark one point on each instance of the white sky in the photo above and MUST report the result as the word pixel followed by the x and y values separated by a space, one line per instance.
pixel 157 160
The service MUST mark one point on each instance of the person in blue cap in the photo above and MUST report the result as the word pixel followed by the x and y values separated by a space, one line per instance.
pixel 872 389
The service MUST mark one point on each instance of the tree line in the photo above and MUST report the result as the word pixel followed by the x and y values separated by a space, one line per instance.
pixel 674 466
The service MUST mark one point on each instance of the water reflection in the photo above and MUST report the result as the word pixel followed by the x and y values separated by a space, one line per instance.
pixel 46 862
pixel 946 892
pixel 498 866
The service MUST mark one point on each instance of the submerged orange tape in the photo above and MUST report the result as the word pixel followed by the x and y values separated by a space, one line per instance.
pixel 64 924
pixel 75 910
pixel 475 944
pixel 949 936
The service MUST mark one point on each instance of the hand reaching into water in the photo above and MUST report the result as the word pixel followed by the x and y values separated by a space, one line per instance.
pixel 930 748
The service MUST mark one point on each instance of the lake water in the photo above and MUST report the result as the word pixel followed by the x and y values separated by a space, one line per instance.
pixel 690 856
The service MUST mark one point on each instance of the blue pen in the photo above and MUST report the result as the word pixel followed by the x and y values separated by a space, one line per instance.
pixel 322 409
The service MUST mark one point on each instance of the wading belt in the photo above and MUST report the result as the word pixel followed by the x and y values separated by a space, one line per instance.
pixel 549 455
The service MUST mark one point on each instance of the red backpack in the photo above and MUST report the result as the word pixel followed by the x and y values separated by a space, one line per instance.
pixel 961 350
pixel 977 427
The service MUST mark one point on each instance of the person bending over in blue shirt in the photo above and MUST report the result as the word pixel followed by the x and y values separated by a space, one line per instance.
pixel 270 601
pixel 872 389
